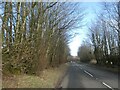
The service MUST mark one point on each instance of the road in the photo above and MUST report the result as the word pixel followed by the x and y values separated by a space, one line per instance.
pixel 87 76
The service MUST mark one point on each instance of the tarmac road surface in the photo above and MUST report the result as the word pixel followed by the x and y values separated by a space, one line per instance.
pixel 87 76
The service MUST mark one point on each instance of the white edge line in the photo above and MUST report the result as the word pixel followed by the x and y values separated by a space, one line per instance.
pixel 107 85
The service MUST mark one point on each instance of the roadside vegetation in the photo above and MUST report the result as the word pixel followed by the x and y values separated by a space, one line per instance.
pixel 35 37
pixel 103 45
pixel 47 79
pixel 0 61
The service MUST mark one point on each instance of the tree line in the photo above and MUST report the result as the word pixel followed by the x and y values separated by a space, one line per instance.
pixel 35 35
pixel 105 36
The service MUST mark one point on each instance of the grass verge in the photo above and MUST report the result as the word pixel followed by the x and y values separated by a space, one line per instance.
pixel 47 79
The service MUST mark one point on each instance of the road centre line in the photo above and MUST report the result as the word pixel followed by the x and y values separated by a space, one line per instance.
pixel 88 73
pixel 97 79
pixel 80 68
pixel 107 85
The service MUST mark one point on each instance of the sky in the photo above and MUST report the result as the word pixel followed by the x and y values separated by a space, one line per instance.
pixel 91 8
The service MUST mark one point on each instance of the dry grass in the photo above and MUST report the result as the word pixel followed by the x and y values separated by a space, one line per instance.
pixel 47 79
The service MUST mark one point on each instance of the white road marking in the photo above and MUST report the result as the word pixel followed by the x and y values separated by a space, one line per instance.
pixel 88 73
pixel 80 68
pixel 96 78
pixel 107 85
pixel 80 65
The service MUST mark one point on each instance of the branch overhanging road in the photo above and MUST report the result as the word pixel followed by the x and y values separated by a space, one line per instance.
pixel 85 76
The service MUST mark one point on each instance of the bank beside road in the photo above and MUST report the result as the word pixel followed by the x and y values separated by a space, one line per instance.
pixel 47 79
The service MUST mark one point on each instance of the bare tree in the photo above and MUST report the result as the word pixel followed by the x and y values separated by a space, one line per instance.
pixel 37 33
